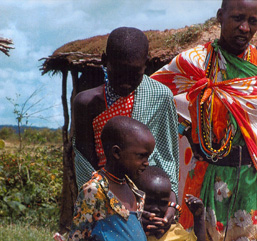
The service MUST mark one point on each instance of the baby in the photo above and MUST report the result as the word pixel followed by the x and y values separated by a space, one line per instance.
pixel 156 185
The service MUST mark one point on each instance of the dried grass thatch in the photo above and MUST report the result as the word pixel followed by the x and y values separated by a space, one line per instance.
pixel 163 46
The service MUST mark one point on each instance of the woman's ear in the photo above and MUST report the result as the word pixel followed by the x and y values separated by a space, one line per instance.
pixel 116 152
pixel 219 15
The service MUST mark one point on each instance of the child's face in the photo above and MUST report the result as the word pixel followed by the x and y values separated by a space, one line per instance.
pixel 157 192
pixel 134 156
pixel 125 76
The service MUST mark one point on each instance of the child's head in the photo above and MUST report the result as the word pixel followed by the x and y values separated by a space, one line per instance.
pixel 126 56
pixel 127 144
pixel 156 185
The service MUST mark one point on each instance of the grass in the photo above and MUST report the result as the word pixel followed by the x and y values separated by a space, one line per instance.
pixel 24 232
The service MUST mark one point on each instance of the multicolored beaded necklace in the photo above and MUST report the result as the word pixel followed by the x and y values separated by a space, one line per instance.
pixel 113 178
pixel 111 96
pixel 204 122
pixel 205 112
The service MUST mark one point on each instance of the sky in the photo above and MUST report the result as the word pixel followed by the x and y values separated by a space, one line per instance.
pixel 39 27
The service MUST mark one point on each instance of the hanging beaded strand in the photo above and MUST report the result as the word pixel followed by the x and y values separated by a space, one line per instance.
pixel 204 119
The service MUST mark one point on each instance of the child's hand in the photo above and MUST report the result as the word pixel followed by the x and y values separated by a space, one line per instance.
pixel 194 204
pixel 167 220
pixel 153 225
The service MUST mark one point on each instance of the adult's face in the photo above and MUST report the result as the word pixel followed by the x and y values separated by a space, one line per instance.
pixel 238 24
pixel 125 76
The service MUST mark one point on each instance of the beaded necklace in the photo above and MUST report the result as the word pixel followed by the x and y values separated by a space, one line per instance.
pixel 205 135
pixel 111 96
pixel 113 178
pixel 205 113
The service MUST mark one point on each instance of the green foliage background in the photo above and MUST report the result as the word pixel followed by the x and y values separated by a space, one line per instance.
pixel 31 179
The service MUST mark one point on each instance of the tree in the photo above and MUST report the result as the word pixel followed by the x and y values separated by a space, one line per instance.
pixel 26 110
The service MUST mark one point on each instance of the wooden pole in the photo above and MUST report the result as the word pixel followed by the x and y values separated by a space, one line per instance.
pixel 69 190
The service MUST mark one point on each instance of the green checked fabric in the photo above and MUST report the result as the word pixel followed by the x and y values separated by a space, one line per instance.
pixel 83 167
pixel 153 106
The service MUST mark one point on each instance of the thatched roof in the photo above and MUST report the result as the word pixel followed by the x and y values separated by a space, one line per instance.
pixel 4 45
pixel 163 46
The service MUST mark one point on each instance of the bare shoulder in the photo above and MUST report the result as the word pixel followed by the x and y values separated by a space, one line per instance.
pixel 89 97
pixel 88 104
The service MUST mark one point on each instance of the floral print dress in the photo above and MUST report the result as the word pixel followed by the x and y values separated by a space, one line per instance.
pixel 99 215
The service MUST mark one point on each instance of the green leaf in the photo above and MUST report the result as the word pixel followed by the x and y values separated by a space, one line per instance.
pixel 16 205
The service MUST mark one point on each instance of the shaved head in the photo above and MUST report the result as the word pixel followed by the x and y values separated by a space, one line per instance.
pixel 152 174
pixel 118 129
pixel 127 44
pixel 226 2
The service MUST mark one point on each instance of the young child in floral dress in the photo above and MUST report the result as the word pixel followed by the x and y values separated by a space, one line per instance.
pixel 109 206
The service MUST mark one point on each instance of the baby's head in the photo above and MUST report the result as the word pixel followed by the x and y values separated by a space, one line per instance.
pixel 156 185
pixel 127 144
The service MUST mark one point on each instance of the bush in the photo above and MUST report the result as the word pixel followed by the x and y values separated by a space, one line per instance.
pixel 189 34
pixel 32 135
pixel 7 133
pixel 42 136
pixel 30 185
pixel 186 36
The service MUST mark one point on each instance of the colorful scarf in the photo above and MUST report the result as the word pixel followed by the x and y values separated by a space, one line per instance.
pixel 237 93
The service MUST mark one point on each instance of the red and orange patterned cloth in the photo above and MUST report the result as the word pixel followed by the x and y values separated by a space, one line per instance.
pixel 122 107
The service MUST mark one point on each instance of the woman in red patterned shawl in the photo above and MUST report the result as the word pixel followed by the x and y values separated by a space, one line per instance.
pixel 219 82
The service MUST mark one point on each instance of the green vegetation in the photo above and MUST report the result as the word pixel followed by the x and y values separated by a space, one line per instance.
pixel 189 34
pixel 183 37
pixel 30 184
pixel 32 136
pixel 43 136
pixel 7 133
